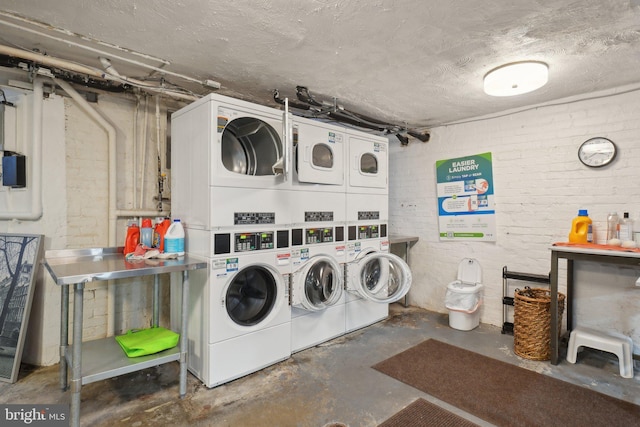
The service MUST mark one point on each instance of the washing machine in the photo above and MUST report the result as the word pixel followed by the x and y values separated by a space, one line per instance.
pixel 228 153
pixel 374 278
pixel 317 284
pixel 239 310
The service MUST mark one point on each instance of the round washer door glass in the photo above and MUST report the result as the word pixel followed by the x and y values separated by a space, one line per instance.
pixel 251 295
pixel 250 146
pixel 322 284
pixel 382 277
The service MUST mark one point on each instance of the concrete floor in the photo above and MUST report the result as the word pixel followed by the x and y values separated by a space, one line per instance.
pixel 331 384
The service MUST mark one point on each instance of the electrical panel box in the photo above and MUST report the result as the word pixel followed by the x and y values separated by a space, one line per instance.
pixel 14 171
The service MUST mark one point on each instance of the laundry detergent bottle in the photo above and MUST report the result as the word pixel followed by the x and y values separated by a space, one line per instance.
pixel 174 239
pixel 160 229
pixel 132 239
pixel 580 228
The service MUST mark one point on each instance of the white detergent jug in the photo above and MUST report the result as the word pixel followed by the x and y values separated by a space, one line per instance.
pixel 174 238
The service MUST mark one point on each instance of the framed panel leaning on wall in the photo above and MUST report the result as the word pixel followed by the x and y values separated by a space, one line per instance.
pixel 20 257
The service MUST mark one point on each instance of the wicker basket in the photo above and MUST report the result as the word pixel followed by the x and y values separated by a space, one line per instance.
pixel 532 323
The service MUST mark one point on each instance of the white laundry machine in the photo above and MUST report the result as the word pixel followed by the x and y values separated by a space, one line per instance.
pixel 239 311
pixel 317 286
pixel 373 278
pixel 318 256
pixel 228 152
pixel 368 164
pixel 318 156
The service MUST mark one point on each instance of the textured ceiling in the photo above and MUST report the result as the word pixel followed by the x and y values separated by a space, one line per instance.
pixel 419 62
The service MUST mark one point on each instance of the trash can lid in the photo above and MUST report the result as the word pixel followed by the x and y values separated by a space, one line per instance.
pixel 469 271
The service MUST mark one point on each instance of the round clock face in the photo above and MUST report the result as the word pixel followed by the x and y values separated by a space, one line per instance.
pixel 597 152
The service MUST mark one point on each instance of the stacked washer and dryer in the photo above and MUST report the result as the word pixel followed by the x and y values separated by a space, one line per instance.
pixel 318 233
pixel 374 277
pixel 227 191
pixel 292 215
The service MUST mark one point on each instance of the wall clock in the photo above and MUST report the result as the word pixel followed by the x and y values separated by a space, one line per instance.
pixel 597 152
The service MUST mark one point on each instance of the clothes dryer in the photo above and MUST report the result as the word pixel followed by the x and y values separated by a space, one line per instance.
pixel 239 311
pixel 318 156
pixel 225 151
pixel 368 163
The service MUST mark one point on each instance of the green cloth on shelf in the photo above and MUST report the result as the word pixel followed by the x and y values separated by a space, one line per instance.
pixel 142 342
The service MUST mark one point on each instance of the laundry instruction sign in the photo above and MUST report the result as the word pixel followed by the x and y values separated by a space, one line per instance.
pixel 466 199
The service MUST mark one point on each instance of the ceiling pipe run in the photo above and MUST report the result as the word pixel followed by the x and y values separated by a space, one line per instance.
pixel 49 61
pixel 208 83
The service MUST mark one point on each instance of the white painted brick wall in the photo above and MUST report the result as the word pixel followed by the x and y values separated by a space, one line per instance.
pixel 539 186
pixel 75 199
pixel 88 180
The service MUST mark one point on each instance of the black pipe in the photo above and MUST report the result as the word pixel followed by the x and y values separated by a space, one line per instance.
pixel 292 104
pixel 422 136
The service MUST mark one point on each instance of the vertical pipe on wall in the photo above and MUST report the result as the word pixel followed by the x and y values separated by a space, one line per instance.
pixel 111 227
pixel 134 150
pixel 144 148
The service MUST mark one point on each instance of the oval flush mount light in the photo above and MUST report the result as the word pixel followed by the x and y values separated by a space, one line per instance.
pixel 516 78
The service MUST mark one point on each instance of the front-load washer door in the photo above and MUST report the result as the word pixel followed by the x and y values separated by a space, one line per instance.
pixel 368 164
pixel 252 297
pixel 318 284
pixel 379 277
pixel 319 154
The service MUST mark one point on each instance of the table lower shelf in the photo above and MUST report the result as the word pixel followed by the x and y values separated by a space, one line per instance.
pixel 104 358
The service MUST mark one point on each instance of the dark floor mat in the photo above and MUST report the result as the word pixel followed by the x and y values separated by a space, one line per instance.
pixel 501 393
pixel 421 413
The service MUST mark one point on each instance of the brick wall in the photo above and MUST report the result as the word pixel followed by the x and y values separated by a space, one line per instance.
pixel 539 186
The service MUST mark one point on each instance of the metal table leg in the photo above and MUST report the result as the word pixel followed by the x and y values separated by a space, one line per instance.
pixel 76 361
pixel 156 300
pixel 64 335
pixel 183 333
pixel 554 307
pixel 406 259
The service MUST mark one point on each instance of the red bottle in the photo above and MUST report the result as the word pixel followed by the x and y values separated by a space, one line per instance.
pixel 132 239
pixel 159 231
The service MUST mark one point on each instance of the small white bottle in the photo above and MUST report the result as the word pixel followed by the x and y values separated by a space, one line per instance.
pixel 626 230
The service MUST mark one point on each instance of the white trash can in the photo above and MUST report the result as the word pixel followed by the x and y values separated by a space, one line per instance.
pixel 464 296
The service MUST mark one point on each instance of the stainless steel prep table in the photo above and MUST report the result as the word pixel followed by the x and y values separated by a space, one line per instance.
pixel 571 254
pixel 103 358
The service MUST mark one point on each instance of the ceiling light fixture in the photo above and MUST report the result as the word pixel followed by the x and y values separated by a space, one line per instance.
pixel 516 78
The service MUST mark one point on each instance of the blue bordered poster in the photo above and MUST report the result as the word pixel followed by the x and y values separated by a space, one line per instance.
pixel 466 199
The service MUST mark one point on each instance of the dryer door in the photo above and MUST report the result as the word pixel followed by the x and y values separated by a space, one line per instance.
pixel 251 296
pixel 318 284
pixel 369 160
pixel 319 154
pixel 379 277
pixel 250 146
